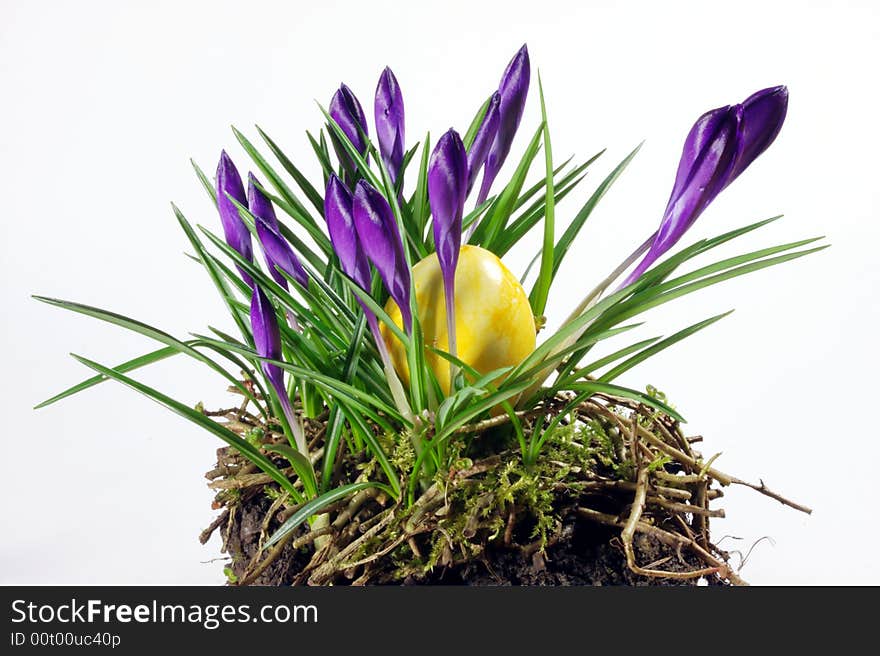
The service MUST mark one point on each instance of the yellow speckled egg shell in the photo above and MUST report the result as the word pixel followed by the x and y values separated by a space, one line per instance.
pixel 493 319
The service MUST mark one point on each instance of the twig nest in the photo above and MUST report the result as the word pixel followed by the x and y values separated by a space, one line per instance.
pixel 493 318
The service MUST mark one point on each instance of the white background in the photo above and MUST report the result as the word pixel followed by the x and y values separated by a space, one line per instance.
pixel 102 104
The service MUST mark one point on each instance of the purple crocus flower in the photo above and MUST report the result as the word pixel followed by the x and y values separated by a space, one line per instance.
pixel 343 234
pixel 276 249
pixel 236 232
pixel 349 115
pixel 267 342
pixel 267 338
pixel 513 89
pixel 379 235
pixel 447 191
pixel 483 140
pixel 339 212
pixel 720 146
pixel 390 122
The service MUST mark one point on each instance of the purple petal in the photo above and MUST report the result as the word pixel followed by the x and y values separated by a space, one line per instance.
pixel 236 232
pixel 709 174
pixel 704 130
pixel 258 204
pixel 484 138
pixel 349 115
pixel 447 191
pixel 514 89
pixel 379 235
pixel 343 234
pixel 389 116
pixel 763 115
pixel 279 254
pixel 267 338
pixel 276 249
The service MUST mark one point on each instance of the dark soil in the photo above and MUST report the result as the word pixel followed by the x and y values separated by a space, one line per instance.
pixel 241 542
pixel 586 553
pixel 588 557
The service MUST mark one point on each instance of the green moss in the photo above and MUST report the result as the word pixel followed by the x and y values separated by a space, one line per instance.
pixel 403 454
pixel 255 436
pixel 478 509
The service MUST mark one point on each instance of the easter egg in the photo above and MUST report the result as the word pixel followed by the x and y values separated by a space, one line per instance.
pixel 493 318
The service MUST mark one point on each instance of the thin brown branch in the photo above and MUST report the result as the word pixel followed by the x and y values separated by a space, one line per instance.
pixel 763 489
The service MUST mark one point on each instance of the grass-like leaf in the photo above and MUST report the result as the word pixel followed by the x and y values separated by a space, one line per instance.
pixel 295 207
pixel 571 232
pixel 606 360
pixel 529 218
pixel 316 199
pixel 356 421
pixel 245 448
pixel 477 409
pixel 215 274
pixel 641 304
pixel 300 464
pixel 129 365
pixel 206 183
pixel 541 185
pixel 149 331
pixel 471 133
pixel 335 419
pixel 538 296
pixel 322 155
pixel 643 355
pixel 347 393
pixel 419 204
pixel 318 504
pixel 496 219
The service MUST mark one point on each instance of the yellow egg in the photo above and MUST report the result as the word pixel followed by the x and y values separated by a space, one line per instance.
pixel 494 324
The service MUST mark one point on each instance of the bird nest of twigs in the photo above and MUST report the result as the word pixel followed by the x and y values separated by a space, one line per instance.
pixel 621 495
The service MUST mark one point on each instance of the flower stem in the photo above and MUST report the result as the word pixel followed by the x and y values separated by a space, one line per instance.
pixel 294 324
pixel 393 381
pixel 295 425
pixel 594 295
pixel 449 293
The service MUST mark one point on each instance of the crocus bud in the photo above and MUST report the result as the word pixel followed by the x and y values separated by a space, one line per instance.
pixel 348 114
pixel 267 343
pixel 513 89
pixel 720 146
pixel 236 232
pixel 447 188
pixel 379 235
pixel 447 191
pixel 390 122
pixel 267 338
pixel 343 234
pixel 339 212
pixel 763 115
pixel 479 150
pixel 276 249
